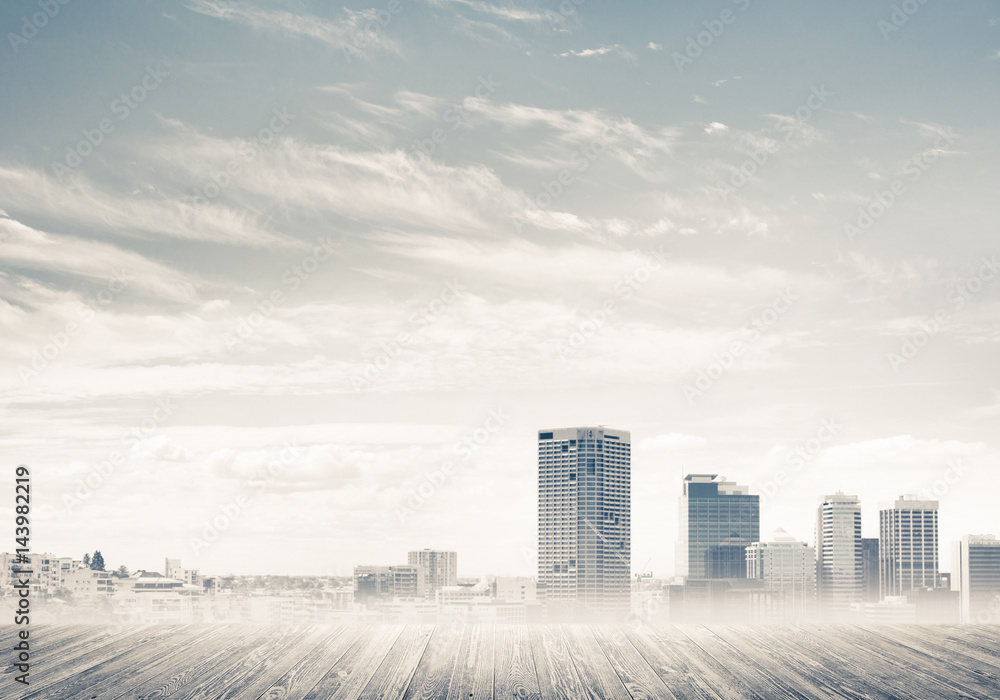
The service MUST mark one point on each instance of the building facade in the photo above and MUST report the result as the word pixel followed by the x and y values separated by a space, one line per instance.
pixel 383 583
pixel 718 521
pixel 839 560
pixel 908 546
pixel 976 576
pixel 787 565
pixel 584 522
pixel 440 568
pixel 870 578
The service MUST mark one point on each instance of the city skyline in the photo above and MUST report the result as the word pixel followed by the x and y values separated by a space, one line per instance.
pixel 299 303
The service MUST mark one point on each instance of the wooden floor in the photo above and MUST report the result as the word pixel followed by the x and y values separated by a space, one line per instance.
pixel 484 661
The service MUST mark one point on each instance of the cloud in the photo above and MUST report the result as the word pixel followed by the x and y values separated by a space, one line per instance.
pixel 599 51
pixel 653 46
pixel 349 31
pixel 25 247
pixel 715 128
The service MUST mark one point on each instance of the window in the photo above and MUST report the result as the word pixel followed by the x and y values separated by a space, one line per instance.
pixel 544 436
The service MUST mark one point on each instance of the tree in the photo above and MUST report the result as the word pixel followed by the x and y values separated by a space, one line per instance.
pixel 86 561
pixel 97 561
pixel 122 571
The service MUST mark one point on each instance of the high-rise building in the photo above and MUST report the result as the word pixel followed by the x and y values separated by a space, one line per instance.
pixel 839 572
pixel 870 592
pixel 440 568
pixel 584 522
pixel 788 566
pixel 718 520
pixel 908 545
pixel 976 575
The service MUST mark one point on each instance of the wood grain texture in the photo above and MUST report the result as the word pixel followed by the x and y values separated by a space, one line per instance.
pixel 509 662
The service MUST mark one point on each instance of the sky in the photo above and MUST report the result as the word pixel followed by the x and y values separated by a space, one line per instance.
pixel 289 286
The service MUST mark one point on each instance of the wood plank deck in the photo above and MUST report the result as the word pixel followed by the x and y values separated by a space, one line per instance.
pixel 519 662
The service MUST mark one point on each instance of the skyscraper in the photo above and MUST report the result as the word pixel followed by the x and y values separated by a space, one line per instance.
pixel 440 568
pixel 718 520
pixel 839 572
pixel 789 566
pixel 976 575
pixel 584 517
pixel 908 545
pixel 869 570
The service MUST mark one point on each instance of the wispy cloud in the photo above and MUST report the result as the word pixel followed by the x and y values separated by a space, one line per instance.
pixel 343 32
pixel 599 51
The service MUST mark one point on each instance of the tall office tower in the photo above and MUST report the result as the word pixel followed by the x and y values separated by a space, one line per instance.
pixel 908 545
pixel 584 522
pixel 440 568
pixel 870 592
pixel 718 521
pixel 839 572
pixel 789 566
pixel 976 575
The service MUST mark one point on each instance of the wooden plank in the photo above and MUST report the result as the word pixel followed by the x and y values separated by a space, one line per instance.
pixel 880 670
pixel 761 680
pixel 244 671
pixel 825 671
pixel 276 664
pixel 514 673
pixel 718 676
pixel 352 671
pixel 197 664
pixel 794 678
pixel 635 673
pixel 304 675
pixel 53 666
pixel 474 671
pixel 393 675
pixel 933 672
pixel 432 679
pixel 48 642
pixel 67 679
pixel 598 678
pixel 682 678
pixel 129 670
pixel 557 676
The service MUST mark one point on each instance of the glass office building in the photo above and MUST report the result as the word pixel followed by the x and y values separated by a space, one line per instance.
pixel 718 521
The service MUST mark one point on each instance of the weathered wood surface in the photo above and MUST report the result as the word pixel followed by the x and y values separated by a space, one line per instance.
pixel 476 662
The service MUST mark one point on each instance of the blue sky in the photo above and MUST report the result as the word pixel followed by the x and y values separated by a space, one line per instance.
pixel 343 235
